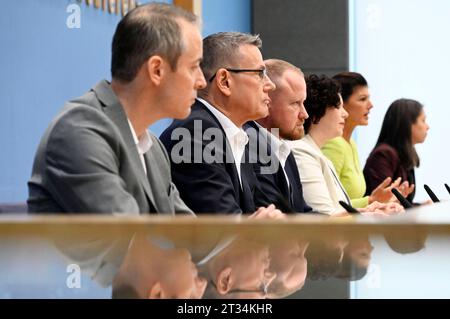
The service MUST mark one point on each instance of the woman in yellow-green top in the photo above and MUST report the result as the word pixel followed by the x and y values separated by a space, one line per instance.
pixel 342 151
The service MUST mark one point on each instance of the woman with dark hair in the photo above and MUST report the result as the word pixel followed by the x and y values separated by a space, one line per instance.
pixel 394 155
pixel 322 189
pixel 342 150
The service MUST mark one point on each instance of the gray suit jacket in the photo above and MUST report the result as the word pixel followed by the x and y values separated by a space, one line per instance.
pixel 87 162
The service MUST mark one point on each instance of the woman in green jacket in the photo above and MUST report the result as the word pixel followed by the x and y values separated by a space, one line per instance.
pixel 342 151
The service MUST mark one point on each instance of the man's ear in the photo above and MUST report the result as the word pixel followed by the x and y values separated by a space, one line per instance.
pixel 155 291
pixel 156 69
pixel 223 82
pixel 224 281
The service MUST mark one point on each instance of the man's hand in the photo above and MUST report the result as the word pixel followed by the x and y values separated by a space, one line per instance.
pixel 269 212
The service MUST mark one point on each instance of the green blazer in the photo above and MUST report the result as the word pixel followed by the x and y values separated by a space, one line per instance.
pixel 345 158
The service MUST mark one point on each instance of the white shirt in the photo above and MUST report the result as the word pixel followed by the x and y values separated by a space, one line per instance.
pixel 143 144
pixel 280 148
pixel 236 137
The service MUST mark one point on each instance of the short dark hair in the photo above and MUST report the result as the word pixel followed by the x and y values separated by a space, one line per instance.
pixel 349 81
pixel 396 130
pixel 147 30
pixel 322 93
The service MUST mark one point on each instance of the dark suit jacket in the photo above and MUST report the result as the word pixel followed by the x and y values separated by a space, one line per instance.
pixel 87 161
pixel 272 180
pixel 209 186
pixel 384 162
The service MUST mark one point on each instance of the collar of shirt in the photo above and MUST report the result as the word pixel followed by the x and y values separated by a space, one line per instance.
pixel 278 146
pixel 236 136
pixel 144 143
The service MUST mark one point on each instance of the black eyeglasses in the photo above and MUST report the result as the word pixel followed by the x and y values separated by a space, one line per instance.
pixel 261 72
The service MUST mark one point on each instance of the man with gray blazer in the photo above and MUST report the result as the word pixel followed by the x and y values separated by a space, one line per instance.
pixel 97 156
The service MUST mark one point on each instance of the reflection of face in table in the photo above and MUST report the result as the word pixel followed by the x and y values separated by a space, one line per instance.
pixel 340 257
pixel 325 256
pixel 135 265
pixel 288 262
pixel 356 259
pixel 151 272
pixel 260 261
pixel 241 270
pixel 406 242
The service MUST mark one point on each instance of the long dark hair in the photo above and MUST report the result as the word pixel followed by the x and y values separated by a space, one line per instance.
pixel 396 130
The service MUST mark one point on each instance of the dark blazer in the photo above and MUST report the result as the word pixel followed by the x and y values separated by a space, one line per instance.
pixel 384 162
pixel 87 162
pixel 209 187
pixel 273 180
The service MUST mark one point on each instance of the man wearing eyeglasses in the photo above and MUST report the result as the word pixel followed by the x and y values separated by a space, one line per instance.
pixel 210 172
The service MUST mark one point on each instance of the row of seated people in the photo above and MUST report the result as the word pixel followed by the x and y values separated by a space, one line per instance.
pixel 218 156
pixel 146 265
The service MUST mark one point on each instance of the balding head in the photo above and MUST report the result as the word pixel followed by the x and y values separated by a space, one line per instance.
pixel 276 68
pixel 286 112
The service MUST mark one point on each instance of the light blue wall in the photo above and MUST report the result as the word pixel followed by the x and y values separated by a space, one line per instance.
pixel 419 275
pixel 226 15
pixel 44 63
pixel 401 48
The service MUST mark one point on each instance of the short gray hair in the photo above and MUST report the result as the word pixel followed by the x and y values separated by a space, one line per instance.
pixel 221 50
pixel 150 29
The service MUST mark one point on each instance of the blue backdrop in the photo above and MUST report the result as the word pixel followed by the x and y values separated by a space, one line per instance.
pixel 45 63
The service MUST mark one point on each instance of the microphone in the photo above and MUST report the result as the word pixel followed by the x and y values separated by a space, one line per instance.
pixel 431 194
pixel 447 187
pixel 405 203
pixel 349 208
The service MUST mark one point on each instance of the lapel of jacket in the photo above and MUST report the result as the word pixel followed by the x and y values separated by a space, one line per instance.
pixel 294 178
pixel 264 140
pixel 247 178
pixel 159 198
pixel 114 110
pixel 231 167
